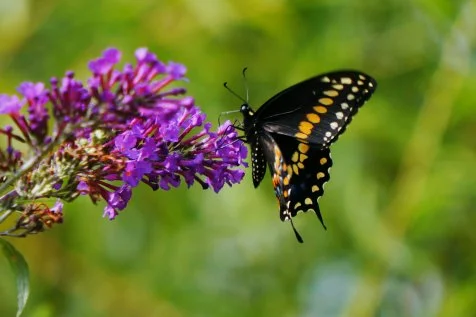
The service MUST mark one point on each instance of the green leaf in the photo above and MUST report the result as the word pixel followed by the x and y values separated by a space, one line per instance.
pixel 20 269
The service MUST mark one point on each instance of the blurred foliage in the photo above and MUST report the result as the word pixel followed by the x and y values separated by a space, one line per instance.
pixel 399 207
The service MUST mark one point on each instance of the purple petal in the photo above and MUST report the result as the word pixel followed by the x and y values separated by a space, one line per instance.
pixel 10 104
pixel 176 70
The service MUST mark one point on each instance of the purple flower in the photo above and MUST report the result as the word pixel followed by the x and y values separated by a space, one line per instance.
pixel 36 97
pixel 134 172
pixel 57 208
pixel 104 64
pixel 104 137
pixel 9 104
pixel 176 70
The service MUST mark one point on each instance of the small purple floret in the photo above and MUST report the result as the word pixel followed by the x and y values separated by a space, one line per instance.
pixel 10 104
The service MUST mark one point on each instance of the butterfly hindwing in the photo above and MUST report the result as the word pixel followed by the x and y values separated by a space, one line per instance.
pixel 309 166
pixel 318 109
pixel 299 172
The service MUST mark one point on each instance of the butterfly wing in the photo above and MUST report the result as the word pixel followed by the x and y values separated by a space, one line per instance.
pixel 317 110
pixel 299 172
pixel 281 173
pixel 307 186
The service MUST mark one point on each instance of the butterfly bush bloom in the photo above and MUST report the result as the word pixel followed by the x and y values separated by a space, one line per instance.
pixel 120 128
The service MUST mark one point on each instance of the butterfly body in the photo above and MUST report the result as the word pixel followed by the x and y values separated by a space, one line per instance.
pixel 291 133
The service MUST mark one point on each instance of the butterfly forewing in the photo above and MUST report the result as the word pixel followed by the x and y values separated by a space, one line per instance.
pixel 318 109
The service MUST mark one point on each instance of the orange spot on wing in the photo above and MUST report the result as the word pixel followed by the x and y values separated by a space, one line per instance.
pixel 314 118
pixel 305 127
pixel 326 101
pixel 320 109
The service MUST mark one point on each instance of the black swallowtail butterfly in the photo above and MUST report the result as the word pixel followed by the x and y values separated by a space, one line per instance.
pixel 292 132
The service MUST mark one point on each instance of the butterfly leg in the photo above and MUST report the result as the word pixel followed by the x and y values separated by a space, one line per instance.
pixel 238 126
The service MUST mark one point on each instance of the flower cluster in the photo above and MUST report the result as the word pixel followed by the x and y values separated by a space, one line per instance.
pixel 121 128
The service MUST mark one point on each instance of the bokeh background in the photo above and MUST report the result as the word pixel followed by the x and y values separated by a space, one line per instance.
pixel 400 206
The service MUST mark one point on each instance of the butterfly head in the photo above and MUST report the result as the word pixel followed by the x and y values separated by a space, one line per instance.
pixel 248 118
pixel 246 110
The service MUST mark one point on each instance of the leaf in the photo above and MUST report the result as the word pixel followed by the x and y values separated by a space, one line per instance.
pixel 20 269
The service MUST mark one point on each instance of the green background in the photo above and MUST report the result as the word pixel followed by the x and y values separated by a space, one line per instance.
pixel 400 206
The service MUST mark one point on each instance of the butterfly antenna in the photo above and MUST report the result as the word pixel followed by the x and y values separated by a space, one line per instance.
pixel 298 236
pixel 234 93
pixel 245 82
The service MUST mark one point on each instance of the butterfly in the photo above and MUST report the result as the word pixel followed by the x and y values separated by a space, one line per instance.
pixel 291 133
